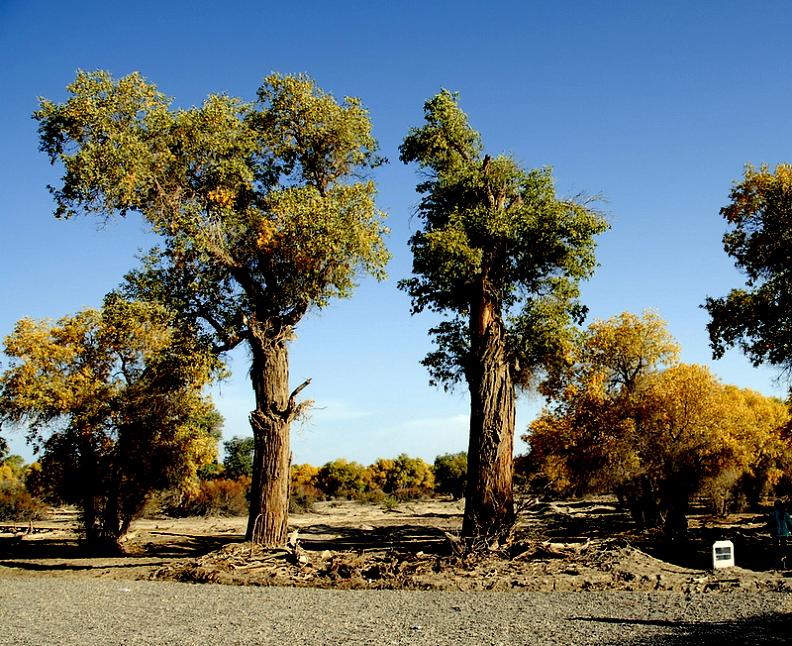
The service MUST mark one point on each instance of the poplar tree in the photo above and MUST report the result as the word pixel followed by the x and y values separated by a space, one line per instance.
pixel 499 256
pixel 264 212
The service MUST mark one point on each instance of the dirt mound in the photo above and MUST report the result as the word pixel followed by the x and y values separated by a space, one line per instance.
pixel 541 566
pixel 558 545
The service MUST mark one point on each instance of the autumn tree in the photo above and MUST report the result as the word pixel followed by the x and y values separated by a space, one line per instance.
pixel 341 477
pixel 113 398
pixel 585 439
pixel 264 213
pixel 500 256
pixel 403 474
pixel 757 317
pixel 628 419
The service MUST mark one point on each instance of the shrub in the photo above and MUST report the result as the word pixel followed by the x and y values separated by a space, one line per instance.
pixel 219 497
pixel 16 504
pixel 302 499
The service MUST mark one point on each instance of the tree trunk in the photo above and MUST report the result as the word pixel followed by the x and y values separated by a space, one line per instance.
pixel 269 493
pixel 88 476
pixel 489 497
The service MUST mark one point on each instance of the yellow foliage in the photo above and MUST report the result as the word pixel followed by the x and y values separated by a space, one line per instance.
pixel 222 196
pixel 303 475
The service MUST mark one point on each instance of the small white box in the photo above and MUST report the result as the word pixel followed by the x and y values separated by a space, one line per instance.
pixel 722 554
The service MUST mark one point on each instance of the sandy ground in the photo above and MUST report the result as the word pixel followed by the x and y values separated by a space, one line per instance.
pixel 557 546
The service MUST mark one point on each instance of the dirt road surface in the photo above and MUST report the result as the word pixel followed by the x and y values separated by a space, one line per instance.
pixel 85 611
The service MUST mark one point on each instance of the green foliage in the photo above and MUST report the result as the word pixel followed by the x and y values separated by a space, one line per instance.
pixel 263 208
pixel 341 478
pixel 113 397
pixel 254 200
pixel 450 470
pixel 238 460
pixel 500 257
pixel 493 233
pixel 756 317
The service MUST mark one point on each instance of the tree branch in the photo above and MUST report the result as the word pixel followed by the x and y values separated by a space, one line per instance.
pixel 293 409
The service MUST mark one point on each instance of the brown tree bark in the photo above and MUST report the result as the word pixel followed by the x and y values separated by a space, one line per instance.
pixel 271 421
pixel 489 498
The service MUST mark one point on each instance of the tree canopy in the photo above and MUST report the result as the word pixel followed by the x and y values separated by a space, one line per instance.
pixel 757 317
pixel 264 210
pixel 500 256
pixel 114 399
pixel 629 419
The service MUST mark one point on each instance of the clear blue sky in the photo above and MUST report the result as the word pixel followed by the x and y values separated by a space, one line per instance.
pixel 657 106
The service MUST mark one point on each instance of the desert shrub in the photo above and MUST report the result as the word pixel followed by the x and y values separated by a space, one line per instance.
pixel 411 493
pixel 372 496
pixel 16 502
pixel 389 503
pixel 341 478
pixel 218 497
pixel 721 494
pixel 302 499
pixel 450 472
pixel 303 492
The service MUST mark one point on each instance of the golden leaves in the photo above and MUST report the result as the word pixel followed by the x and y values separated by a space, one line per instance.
pixel 221 196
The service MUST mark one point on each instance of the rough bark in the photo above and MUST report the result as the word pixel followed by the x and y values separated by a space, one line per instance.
pixel 270 421
pixel 489 498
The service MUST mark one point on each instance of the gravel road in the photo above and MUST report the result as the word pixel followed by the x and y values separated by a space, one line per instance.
pixel 44 610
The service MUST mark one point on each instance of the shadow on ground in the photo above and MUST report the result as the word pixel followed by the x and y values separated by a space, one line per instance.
pixel 406 538
pixel 766 629
pixel 63 554
pixel 582 521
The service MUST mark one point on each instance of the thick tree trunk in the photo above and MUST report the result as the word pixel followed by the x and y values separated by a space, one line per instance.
pixel 269 494
pixel 489 498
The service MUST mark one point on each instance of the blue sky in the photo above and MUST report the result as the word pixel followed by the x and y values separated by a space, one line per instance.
pixel 656 106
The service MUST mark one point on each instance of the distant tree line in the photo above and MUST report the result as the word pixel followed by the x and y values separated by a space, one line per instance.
pixel 223 488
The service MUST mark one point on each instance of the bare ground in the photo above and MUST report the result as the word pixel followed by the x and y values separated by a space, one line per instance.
pixel 557 546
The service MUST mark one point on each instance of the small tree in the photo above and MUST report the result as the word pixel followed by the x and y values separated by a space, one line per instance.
pixel 628 419
pixel 264 214
pixel 238 460
pixel 408 474
pixel 501 256
pixel 113 397
pixel 450 471
pixel 16 501
pixel 341 478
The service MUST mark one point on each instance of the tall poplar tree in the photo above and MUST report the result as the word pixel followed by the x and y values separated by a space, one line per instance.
pixel 500 256
pixel 264 214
